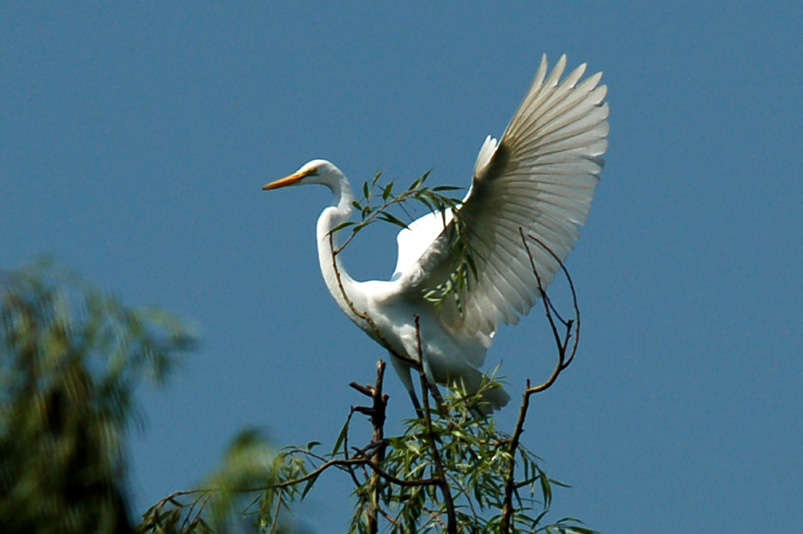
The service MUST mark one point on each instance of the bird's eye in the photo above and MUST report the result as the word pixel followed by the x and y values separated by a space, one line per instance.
pixel 312 172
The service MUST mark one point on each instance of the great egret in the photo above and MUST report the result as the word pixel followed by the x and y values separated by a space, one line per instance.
pixel 539 179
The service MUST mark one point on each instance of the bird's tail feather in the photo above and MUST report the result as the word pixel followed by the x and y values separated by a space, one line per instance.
pixel 492 395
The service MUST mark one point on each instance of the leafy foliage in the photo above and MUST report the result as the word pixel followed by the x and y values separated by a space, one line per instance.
pixel 70 359
pixel 474 457
pixel 473 454
pixel 378 202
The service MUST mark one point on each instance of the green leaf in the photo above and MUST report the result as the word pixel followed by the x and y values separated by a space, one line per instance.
pixel 581 530
pixel 546 490
pixel 340 438
pixel 341 226
pixel 439 188
pixel 308 486
pixel 385 216
pixel 419 182
pixel 387 191
pixel 426 202
pixel 559 483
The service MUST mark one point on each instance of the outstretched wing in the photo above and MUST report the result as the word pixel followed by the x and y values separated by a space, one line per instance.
pixel 414 240
pixel 539 178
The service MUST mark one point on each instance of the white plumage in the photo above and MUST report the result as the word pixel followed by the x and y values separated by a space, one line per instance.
pixel 539 179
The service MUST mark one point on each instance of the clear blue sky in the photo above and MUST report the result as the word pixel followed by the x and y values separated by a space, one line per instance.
pixel 134 139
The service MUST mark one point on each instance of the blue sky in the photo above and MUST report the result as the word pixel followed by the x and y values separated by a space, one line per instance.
pixel 134 139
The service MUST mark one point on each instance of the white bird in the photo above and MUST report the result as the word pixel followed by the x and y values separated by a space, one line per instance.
pixel 539 179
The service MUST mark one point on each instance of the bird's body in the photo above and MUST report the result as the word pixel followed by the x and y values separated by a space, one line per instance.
pixel 391 308
pixel 538 180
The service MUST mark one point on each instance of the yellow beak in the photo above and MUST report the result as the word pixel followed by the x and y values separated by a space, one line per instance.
pixel 284 182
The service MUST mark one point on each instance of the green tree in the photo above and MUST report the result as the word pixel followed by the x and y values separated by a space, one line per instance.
pixel 70 359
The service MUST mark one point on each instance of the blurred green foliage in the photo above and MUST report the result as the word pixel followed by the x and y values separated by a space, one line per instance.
pixel 378 202
pixel 448 450
pixel 70 360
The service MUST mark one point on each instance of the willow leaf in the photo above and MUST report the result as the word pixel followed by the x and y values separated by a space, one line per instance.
pixel 385 216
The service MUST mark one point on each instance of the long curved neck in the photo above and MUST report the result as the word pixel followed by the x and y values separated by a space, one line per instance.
pixel 334 215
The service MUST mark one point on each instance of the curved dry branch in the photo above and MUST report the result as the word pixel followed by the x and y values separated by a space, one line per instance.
pixel 571 322
pixel 562 343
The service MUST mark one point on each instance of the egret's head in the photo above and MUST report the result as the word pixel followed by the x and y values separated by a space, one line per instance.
pixel 317 171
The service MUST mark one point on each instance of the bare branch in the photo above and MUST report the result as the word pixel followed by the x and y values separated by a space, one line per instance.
pixel 563 268
pixel 377 416
pixel 563 362
pixel 350 470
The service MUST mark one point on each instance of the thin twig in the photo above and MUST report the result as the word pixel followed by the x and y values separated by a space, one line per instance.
pixel 562 363
pixel 563 268
pixel 276 512
pixel 364 316
pixel 340 463
pixel 429 198
pixel 388 517
pixel 349 469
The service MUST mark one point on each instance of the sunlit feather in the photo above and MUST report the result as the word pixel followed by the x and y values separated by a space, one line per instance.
pixel 539 179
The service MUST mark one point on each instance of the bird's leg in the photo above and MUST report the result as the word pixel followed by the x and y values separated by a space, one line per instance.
pixel 436 394
pixel 403 370
pixel 429 378
pixel 417 405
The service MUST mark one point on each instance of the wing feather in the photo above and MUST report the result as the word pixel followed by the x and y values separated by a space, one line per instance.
pixel 539 178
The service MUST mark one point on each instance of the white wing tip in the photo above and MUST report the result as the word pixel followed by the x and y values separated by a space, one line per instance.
pixel 487 151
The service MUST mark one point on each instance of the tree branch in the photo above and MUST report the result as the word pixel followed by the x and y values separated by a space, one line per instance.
pixel 376 415
pixel 562 363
